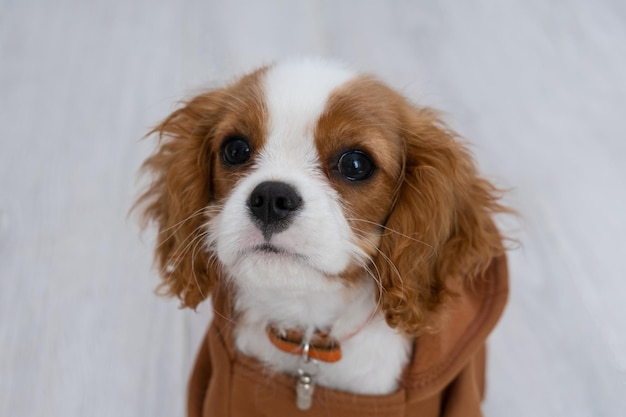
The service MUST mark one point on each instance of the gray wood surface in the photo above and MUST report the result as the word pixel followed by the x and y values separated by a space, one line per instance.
pixel 539 88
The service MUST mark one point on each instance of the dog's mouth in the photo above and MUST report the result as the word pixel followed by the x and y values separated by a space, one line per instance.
pixel 267 254
pixel 268 249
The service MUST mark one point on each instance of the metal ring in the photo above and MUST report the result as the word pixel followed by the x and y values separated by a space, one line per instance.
pixel 306 347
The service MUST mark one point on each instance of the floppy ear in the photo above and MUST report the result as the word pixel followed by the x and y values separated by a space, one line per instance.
pixel 440 227
pixel 178 198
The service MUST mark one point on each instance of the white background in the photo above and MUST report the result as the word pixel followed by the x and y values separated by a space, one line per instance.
pixel 538 86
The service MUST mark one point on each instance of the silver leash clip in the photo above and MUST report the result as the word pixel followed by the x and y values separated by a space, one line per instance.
pixel 305 385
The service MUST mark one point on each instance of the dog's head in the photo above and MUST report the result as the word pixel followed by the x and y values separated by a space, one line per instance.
pixel 303 175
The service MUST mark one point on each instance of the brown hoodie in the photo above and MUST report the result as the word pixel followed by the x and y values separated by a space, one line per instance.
pixel 446 375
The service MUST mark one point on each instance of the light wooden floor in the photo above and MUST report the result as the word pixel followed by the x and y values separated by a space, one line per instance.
pixel 539 87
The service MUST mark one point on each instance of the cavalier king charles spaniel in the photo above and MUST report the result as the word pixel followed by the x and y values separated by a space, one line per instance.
pixel 331 212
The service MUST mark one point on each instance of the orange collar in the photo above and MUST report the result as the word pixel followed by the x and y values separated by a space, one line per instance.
pixel 321 346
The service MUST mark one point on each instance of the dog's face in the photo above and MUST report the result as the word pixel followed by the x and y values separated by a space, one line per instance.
pixel 304 176
pixel 303 186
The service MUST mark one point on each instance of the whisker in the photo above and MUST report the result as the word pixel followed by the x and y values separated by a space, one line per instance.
pixel 179 225
pixel 193 258
pixel 393 231
pixel 383 256
pixel 376 278
pixel 194 214
pixel 182 250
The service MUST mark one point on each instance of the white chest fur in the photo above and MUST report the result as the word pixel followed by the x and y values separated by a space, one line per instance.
pixel 372 359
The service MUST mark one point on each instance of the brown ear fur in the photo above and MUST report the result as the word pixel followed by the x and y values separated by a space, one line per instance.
pixel 178 198
pixel 440 227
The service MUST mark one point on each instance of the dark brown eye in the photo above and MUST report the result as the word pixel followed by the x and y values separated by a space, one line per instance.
pixel 236 150
pixel 355 165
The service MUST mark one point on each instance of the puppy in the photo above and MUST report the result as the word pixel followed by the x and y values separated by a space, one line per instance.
pixel 344 235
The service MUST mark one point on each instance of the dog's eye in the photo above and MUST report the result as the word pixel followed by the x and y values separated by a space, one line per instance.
pixel 236 150
pixel 355 165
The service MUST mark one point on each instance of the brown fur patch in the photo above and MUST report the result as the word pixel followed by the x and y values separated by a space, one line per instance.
pixel 188 179
pixel 426 209
pixel 361 115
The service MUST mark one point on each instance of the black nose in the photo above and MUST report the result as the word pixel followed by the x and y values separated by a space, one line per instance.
pixel 273 205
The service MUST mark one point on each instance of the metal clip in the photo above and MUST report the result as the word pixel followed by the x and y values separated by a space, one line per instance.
pixel 305 385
